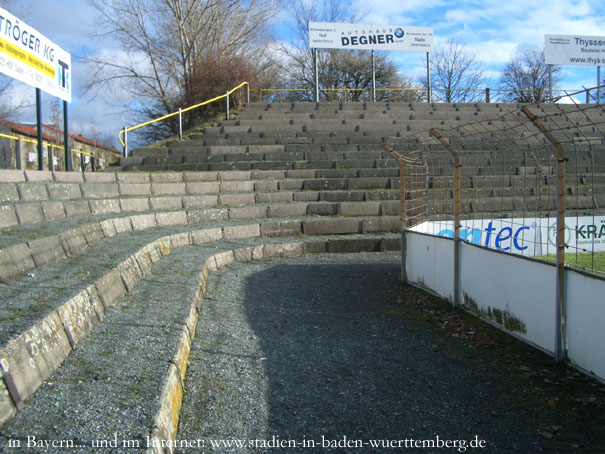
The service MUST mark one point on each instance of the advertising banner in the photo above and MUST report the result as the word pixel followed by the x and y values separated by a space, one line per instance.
pixel 574 50
pixel 30 57
pixel 531 237
pixel 328 35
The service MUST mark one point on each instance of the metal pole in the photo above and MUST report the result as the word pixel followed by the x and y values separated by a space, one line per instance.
pixel 180 124
pixel 227 105
pixel 66 137
pixel 487 95
pixel 316 74
pixel 373 78
pixel 550 82
pixel 125 141
pixel 39 121
pixel 247 94
pixel 598 84
pixel 49 151
pixel 82 163
pixel 19 154
pixel 428 78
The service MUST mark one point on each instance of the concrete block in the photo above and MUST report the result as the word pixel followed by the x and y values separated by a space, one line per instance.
pixel 315 247
pixel 92 233
pixel 108 227
pixel 224 259
pixel 268 174
pixel 104 206
pixel 206 235
pixel 29 213
pixel 287 210
pixel 154 251
pixel 236 186
pixel 122 225
pixel 266 186
pixel 227 149
pixel 241 231
pixel 143 260
pixel 8 217
pixel 391 244
pixel 204 187
pixel 164 245
pixel 38 176
pixel 200 176
pixel 166 203
pixel 249 212
pixel 274 197
pixel 99 177
pixel 171 218
pixel 7 408
pixel 52 210
pixel 168 189
pixel 68 177
pixel 203 216
pixel 139 189
pixel 8 192
pixel 333 184
pixel 284 250
pixel 291 185
pixel 130 178
pixel 234 175
pixel 382 224
pixel 80 314
pixel 12 176
pixel 391 208
pixel 200 201
pixel 359 209
pixel 303 174
pixel 143 221
pixel 307 196
pixel 130 272
pixel 110 288
pixel 73 241
pixel 32 192
pixel 369 183
pixel 236 199
pixel 180 239
pixel 138 204
pixel 33 356
pixel 74 208
pixel 331 226
pixel 100 190
pixel 166 177
pixel 14 261
pixel 346 246
pixel 60 191
pixel 281 228
pixel 322 209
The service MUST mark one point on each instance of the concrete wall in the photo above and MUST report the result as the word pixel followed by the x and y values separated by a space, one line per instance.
pixel 515 293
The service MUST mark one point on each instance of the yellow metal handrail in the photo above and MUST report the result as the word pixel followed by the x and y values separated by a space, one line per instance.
pixel 180 111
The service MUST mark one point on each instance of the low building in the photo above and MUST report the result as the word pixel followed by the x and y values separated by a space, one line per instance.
pixel 19 149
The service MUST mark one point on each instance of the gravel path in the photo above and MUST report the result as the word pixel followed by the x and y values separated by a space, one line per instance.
pixel 313 351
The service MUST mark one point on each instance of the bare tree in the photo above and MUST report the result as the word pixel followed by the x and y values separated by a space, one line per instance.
pixel 525 78
pixel 347 74
pixel 456 74
pixel 164 45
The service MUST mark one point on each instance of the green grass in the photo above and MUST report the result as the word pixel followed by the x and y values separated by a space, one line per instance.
pixel 583 260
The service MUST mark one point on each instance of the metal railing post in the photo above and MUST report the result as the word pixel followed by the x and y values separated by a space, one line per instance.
pixel 180 124
pixel 487 95
pixel 457 210
pixel 125 142
pixel 247 94
pixel 227 105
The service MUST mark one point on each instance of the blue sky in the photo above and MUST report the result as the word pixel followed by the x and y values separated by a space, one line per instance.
pixel 491 29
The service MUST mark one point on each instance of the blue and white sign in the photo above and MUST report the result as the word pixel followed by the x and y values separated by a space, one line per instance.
pixel 530 236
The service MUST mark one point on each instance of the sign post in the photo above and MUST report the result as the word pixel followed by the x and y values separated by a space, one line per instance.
pixel 30 57
pixel 329 35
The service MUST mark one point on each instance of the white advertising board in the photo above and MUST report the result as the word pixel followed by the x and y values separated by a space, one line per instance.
pixel 30 57
pixel 574 50
pixel 328 35
pixel 530 236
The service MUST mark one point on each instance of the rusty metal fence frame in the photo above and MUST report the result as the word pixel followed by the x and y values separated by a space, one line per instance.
pixel 532 145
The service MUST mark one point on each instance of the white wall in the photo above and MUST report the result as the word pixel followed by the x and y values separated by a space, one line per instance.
pixel 429 261
pixel 524 290
pixel 586 322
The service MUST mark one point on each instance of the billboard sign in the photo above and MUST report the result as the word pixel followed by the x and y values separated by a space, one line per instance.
pixel 328 35
pixel 30 57
pixel 574 50
pixel 526 236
